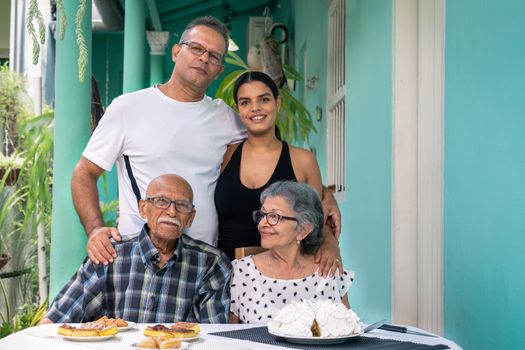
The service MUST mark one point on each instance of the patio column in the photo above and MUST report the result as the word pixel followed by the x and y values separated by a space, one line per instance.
pixel 72 130
pixel 157 42
pixel 134 43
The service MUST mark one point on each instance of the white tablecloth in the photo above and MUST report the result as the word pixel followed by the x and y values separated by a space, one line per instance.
pixel 45 338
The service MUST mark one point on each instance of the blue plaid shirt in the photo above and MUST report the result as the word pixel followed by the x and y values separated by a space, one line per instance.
pixel 192 286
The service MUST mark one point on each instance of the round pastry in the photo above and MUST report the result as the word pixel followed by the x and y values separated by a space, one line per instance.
pixel 169 344
pixel 65 329
pixel 187 325
pixel 87 330
pixel 106 321
pixel 159 330
pixel 149 343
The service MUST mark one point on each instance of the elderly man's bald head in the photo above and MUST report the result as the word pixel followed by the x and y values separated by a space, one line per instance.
pixel 168 207
pixel 169 181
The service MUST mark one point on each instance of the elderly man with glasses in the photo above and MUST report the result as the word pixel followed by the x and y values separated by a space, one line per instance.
pixel 160 275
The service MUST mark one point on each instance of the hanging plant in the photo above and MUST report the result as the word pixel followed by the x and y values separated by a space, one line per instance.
pixel 81 41
pixel 34 14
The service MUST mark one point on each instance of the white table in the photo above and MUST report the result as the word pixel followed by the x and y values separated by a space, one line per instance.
pixel 45 338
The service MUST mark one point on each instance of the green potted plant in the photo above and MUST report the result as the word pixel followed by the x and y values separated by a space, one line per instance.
pixel 10 168
pixel 14 103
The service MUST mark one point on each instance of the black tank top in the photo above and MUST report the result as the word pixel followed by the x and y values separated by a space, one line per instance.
pixel 235 202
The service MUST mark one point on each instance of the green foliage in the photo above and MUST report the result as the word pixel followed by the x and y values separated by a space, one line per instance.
pixel 35 14
pixel 295 122
pixel 109 213
pixel 81 41
pixel 32 15
pixel 29 315
pixel 36 174
pixel 14 103
pixel 61 14
pixel 24 205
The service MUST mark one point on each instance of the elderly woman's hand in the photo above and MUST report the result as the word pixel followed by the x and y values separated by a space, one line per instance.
pixel 329 256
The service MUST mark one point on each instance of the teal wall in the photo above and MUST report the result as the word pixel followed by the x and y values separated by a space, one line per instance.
pixel 367 218
pixel 110 47
pixel 485 173
pixel 366 237
pixel 310 56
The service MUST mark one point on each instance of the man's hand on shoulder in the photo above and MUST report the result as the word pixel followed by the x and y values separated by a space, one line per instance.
pixel 99 247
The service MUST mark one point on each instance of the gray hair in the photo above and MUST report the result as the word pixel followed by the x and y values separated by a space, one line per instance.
pixel 210 22
pixel 307 208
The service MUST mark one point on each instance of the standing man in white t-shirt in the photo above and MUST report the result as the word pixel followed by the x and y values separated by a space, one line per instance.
pixel 169 128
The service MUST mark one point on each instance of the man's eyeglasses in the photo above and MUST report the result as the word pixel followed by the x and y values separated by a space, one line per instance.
pixel 271 218
pixel 181 206
pixel 199 50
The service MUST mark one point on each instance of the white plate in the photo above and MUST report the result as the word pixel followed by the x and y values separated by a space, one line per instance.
pixel 316 340
pixel 188 339
pixel 130 325
pixel 88 339
pixel 135 346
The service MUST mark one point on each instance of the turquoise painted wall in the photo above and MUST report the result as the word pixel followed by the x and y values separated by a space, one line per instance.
pixel 310 56
pixel 485 173
pixel 108 47
pixel 366 237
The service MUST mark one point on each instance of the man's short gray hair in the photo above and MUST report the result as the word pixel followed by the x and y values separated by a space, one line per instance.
pixel 307 208
pixel 210 22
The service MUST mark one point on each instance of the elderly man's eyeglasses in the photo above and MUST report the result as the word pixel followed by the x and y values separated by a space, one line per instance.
pixel 199 50
pixel 181 206
pixel 271 218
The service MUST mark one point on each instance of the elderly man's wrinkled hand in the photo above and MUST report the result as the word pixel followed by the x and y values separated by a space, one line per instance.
pixel 99 247
pixel 329 257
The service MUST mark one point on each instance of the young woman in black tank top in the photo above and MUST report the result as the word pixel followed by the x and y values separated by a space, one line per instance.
pixel 256 163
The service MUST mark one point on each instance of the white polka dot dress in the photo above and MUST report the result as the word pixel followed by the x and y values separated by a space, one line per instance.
pixel 256 298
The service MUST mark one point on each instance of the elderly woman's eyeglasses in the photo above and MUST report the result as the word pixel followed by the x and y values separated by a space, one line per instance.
pixel 271 218
pixel 181 206
pixel 199 50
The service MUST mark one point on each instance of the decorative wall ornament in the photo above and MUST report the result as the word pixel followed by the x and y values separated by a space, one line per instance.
pixel 157 42
pixel 311 83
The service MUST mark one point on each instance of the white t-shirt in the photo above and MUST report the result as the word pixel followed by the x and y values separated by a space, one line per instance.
pixel 256 298
pixel 160 135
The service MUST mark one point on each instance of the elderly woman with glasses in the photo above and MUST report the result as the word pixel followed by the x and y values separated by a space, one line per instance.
pixel 289 222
